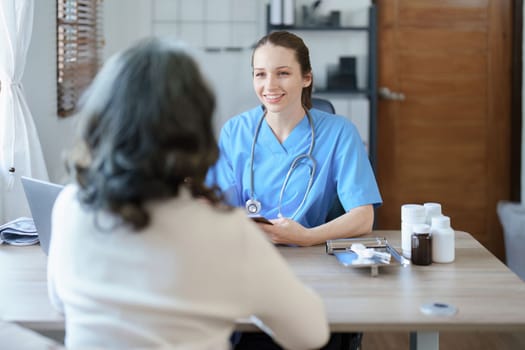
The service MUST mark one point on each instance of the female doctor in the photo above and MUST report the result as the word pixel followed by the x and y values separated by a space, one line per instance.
pixel 289 162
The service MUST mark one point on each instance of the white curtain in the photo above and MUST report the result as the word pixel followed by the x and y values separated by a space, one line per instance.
pixel 20 150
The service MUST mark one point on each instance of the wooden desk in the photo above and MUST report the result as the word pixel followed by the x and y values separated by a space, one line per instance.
pixel 489 297
pixel 23 289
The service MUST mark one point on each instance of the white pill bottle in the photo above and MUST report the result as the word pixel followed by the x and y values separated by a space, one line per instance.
pixel 443 240
pixel 410 214
pixel 432 209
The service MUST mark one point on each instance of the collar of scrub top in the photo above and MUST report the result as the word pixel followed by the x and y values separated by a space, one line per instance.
pixel 253 206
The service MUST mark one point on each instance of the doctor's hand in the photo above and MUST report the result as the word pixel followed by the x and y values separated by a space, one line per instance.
pixel 287 231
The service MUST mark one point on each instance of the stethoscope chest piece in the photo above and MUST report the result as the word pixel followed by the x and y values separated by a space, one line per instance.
pixel 253 206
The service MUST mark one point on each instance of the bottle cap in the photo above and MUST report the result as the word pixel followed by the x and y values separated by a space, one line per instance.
pixel 441 221
pixel 412 211
pixel 432 209
pixel 420 228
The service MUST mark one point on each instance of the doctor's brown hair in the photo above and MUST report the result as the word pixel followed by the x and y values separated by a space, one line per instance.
pixel 147 132
pixel 302 54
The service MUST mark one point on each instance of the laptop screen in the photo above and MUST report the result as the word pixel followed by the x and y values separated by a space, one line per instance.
pixel 41 196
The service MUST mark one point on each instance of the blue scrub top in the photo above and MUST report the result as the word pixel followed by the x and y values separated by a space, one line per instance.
pixel 342 166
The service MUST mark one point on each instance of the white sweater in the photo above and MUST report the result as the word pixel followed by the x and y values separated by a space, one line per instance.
pixel 181 283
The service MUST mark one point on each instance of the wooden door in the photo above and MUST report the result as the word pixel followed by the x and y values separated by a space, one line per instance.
pixel 448 141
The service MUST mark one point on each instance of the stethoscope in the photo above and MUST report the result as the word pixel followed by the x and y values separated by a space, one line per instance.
pixel 253 206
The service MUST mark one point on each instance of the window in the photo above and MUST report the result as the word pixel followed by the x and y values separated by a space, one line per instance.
pixel 79 46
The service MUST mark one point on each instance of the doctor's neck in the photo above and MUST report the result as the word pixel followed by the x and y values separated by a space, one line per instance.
pixel 283 122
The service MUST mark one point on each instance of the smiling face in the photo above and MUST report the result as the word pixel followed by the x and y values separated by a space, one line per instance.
pixel 277 78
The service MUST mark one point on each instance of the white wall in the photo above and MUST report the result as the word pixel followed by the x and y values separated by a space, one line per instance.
pixel 125 21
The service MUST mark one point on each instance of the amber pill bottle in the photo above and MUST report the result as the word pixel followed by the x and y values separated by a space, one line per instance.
pixel 421 243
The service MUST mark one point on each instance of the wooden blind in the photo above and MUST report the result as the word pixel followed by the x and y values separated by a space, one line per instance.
pixel 79 46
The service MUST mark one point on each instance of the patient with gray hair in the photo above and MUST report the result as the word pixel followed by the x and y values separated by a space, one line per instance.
pixel 143 254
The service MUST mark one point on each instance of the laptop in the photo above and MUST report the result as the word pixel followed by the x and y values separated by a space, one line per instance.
pixel 41 196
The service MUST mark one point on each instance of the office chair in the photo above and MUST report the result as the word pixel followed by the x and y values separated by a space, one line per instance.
pixel 323 105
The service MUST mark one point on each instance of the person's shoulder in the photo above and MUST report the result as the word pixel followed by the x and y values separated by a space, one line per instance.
pixel 233 219
pixel 66 205
pixel 234 223
pixel 68 194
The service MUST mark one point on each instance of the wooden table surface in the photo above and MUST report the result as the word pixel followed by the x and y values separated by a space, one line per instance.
pixel 489 297
pixel 23 289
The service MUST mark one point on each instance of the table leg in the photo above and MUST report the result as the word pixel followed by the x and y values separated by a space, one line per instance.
pixel 424 340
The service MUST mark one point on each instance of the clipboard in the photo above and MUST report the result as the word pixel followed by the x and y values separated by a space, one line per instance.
pixel 341 249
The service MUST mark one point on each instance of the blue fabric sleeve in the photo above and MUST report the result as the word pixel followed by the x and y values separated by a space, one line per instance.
pixel 356 183
pixel 222 173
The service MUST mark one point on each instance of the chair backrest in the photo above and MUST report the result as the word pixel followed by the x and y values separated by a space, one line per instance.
pixel 512 218
pixel 323 105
